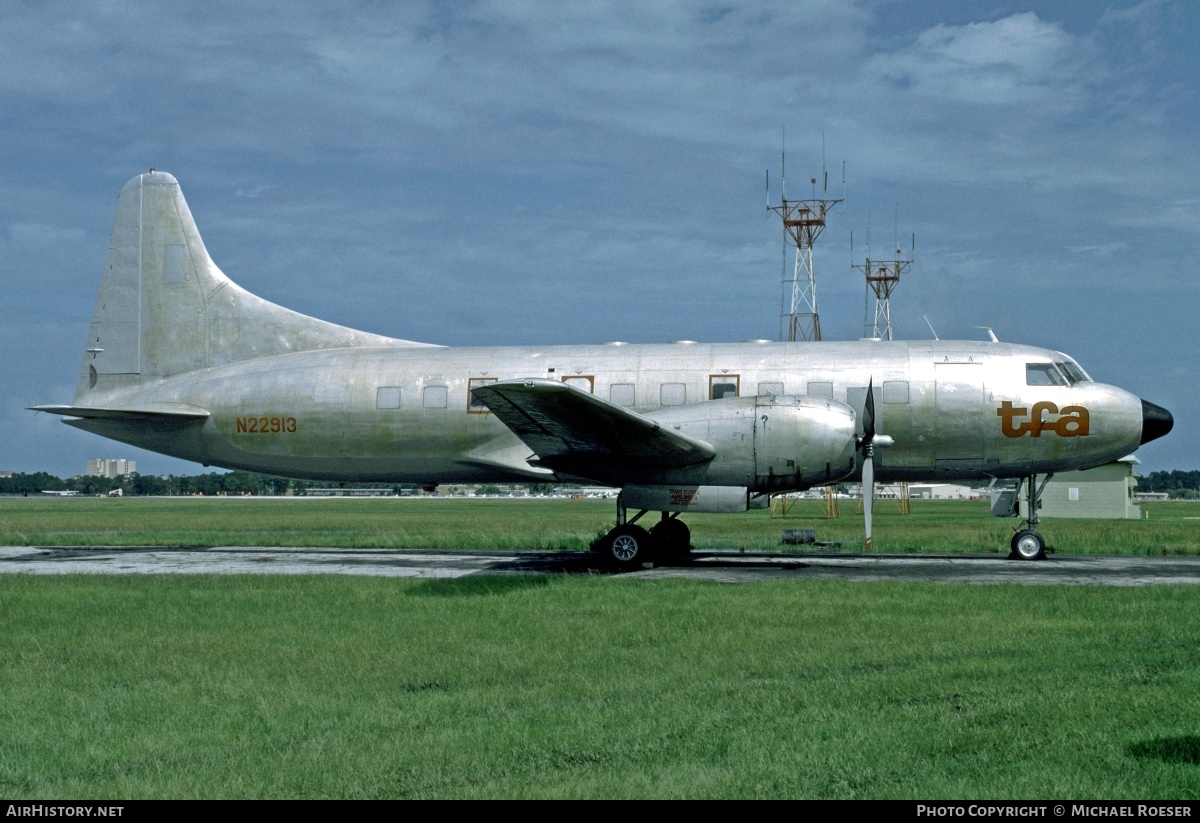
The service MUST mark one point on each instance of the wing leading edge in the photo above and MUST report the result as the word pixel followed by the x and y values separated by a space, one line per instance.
pixel 576 432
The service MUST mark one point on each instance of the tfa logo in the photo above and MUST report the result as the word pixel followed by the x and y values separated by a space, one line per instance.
pixel 1072 420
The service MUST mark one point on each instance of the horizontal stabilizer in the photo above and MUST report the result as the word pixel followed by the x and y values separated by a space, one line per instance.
pixel 573 431
pixel 130 415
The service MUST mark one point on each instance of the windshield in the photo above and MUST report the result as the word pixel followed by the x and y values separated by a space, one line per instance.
pixel 1071 369
pixel 1059 373
pixel 1044 374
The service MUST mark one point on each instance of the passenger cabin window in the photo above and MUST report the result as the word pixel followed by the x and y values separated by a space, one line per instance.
pixel 820 389
pixel 895 391
pixel 672 394
pixel 723 385
pixel 387 397
pixel 434 397
pixel 622 394
pixel 770 389
pixel 473 405
pixel 1043 374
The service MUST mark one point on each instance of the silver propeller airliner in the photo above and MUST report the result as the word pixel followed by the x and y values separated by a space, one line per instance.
pixel 181 360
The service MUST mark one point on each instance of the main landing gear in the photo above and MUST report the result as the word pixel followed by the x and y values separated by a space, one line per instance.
pixel 1028 544
pixel 629 545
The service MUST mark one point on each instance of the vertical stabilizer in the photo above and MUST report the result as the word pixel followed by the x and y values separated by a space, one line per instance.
pixel 165 308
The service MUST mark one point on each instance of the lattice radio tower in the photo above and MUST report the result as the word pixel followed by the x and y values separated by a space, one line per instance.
pixel 882 278
pixel 803 224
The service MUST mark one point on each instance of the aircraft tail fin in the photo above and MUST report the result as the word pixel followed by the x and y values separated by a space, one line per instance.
pixel 165 308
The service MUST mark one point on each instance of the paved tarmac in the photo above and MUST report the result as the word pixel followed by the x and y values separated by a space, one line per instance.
pixel 725 567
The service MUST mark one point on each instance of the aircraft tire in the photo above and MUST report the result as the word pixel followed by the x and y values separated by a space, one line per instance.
pixel 673 537
pixel 628 546
pixel 1027 544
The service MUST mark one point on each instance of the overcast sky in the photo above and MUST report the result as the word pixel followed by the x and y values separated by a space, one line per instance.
pixel 542 172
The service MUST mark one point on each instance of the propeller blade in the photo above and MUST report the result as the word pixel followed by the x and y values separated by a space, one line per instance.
pixel 868 490
pixel 869 413
pixel 867 446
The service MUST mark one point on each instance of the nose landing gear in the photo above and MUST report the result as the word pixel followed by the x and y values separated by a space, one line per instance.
pixel 1027 543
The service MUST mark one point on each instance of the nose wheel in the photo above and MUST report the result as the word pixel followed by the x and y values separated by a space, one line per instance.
pixel 1028 545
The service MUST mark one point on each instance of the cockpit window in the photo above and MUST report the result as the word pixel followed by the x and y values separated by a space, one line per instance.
pixel 1075 374
pixel 1044 374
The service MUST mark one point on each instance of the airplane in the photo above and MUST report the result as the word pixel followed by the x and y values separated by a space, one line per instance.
pixel 181 360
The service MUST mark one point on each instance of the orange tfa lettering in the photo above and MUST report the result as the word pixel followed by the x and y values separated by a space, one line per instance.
pixel 1072 421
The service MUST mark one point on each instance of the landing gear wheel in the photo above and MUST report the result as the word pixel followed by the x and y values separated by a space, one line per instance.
pixel 673 537
pixel 1028 545
pixel 628 546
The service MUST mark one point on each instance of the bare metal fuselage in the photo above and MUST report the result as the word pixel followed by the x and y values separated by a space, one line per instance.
pixel 404 414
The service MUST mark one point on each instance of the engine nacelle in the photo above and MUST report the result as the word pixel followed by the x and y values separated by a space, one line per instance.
pixel 768 443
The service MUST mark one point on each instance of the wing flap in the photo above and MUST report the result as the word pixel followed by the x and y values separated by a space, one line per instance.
pixel 574 431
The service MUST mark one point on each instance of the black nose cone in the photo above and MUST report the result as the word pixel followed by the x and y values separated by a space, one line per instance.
pixel 1156 421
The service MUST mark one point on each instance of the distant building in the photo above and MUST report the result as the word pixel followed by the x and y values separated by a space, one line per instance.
pixel 941 491
pixel 110 467
pixel 338 491
pixel 918 491
pixel 1105 491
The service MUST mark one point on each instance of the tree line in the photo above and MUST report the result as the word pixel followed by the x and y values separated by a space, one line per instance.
pixel 143 485
pixel 1175 483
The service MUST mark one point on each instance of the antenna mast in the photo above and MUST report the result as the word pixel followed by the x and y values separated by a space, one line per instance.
pixel 882 278
pixel 803 223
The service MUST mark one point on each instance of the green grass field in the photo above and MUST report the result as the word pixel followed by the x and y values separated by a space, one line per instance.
pixel 586 686
pixel 598 687
pixel 504 524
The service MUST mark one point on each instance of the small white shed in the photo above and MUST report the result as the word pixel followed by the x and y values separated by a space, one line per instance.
pixel 1105 491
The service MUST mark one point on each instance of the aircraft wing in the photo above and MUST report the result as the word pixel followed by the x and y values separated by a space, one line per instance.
pixel 576 432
